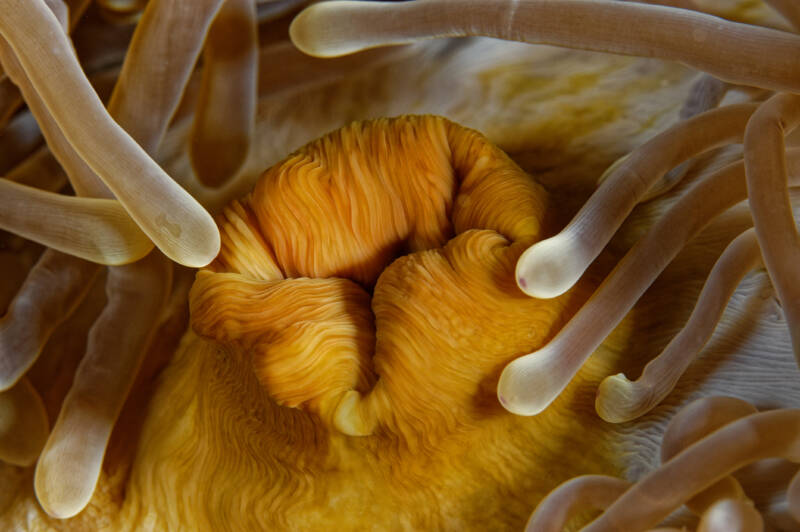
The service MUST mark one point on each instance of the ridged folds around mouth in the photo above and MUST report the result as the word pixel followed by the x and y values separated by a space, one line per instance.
pixel 370 276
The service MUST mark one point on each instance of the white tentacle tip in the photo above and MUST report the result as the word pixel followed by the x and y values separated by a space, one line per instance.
pixel 60 497
pixel 200 252
pixel 69 467
pixel 203 256
pixel 549 268
pixel 619 399
pixel 310 31
pixel 526 386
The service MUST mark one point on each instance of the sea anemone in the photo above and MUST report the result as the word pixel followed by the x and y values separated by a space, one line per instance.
pixel 384 291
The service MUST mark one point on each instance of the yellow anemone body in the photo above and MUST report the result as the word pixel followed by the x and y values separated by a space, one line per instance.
pixel 251 425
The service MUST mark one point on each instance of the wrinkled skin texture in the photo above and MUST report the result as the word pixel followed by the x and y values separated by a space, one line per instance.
pixel 333 218
pixel 202 443
pixel 447 315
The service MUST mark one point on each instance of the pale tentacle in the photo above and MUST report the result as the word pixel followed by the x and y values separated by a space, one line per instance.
pixel 768 193
pixel 595 492
pixel 225 118
pixel 174 32
pixel 171 217
pixel 620 400
pixel 738 53
pixel 693 423
pixel 69 467
pixel 52 290
pixel 141 80
pixel 98 230
pixel 551 267
pixel 83 179
pixel 705 94
pixel 755 437
pixel 123 7
pixel 731 515
pixel 530 383
pixel 285 68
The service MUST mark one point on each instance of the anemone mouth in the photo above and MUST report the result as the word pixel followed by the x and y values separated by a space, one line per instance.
pixel 427 215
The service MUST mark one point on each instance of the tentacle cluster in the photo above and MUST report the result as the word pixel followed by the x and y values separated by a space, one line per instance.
pixel 704 446
pixel 126 195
